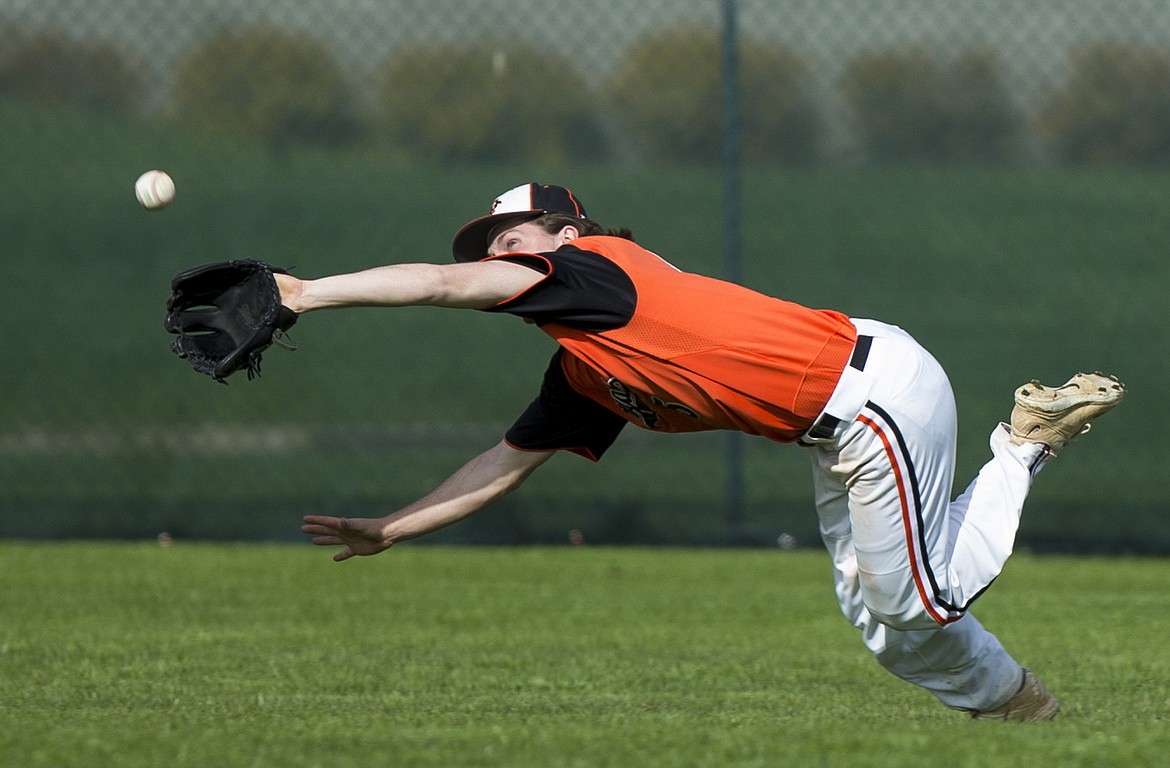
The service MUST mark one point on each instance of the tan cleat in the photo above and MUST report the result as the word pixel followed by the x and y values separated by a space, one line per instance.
pixel 1032 703
pixel 1055 415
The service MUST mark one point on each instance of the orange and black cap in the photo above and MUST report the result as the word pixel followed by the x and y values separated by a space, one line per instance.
pixel 519 204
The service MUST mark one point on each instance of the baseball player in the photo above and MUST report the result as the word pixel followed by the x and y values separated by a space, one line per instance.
pixel 642 342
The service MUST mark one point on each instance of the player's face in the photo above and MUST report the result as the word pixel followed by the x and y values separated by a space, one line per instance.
pixel 529 237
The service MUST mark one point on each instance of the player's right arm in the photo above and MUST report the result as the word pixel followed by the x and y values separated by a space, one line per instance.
pixel 474 285
pixel 481 481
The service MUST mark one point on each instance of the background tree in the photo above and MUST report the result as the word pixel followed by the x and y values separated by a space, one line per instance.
pixel 1115 108
pixel 50 67
pixel 485 103
pixel 668 97
pixel 268 83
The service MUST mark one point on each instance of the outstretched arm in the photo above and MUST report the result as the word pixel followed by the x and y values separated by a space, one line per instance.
pixel 483 480
pixel 475 285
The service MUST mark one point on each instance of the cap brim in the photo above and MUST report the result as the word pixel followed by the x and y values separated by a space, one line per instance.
pixel 471 244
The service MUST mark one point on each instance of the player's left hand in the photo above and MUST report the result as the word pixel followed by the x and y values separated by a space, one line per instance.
pixel 225 314
pixel 290 288
pixel 359 535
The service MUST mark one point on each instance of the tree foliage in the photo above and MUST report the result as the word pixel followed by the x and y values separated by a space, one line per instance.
pixel 266 82
pixel 485 103
pixel 1114 108
pixel 668 96
pixel 52 68
pixel 911 105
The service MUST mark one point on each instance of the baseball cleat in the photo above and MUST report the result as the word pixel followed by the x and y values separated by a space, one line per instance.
pixel 1055 415
pixel 1032 703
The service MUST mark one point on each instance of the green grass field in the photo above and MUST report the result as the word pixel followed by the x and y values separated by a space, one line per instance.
pixel 202 655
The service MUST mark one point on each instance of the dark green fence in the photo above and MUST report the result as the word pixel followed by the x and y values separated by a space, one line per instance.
pixel 993 177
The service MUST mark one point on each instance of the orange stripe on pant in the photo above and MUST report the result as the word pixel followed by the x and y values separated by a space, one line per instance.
pixel 907 522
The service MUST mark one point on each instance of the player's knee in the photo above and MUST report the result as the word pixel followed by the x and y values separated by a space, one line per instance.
pixel 894 601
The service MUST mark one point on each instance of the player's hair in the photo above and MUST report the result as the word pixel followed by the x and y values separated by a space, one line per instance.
pixel 555 222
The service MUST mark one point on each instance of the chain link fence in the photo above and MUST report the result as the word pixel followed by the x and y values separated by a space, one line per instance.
pixel 991 176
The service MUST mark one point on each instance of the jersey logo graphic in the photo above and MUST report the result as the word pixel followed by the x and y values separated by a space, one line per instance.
pixel 676 407
pixel 628 401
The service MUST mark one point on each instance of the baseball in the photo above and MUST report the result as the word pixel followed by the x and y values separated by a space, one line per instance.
pixel 154 189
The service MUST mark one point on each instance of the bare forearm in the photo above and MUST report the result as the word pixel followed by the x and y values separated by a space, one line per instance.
pixel 482 481
pixel 474 286
pixel 396 285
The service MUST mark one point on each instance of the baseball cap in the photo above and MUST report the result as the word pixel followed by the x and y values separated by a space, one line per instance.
pixel 519 204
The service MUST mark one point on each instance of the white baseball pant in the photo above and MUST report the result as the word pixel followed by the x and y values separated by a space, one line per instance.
pixel 907 560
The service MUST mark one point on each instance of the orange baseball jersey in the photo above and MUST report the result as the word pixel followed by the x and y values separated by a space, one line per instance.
pixel 669 350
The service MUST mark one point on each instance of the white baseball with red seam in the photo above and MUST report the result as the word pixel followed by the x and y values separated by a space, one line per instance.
pixel 154 189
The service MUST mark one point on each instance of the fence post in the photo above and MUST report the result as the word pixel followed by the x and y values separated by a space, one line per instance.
pixel 731 236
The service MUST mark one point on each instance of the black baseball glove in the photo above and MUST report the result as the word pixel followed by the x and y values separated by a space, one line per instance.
pixel 225 315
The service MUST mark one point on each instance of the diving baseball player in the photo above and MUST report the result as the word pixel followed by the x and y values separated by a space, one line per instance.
pixel 642 342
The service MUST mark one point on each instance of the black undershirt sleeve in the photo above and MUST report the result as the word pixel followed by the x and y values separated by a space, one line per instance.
pixel 560 418
pixel 582 290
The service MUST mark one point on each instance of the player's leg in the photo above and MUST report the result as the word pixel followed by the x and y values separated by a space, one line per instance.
pixel 963 664
pixel 985 518
pixel 883 494
pixel 923 559
pixel 897 461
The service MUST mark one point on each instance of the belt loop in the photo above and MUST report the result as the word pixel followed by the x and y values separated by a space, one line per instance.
pixel 824 427
pixel 861 352
pixel 850 394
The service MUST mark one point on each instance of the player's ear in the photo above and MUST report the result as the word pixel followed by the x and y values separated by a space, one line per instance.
pixel 567 235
